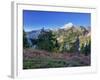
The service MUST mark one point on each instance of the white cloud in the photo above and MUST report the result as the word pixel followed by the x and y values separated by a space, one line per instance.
pixel 67 25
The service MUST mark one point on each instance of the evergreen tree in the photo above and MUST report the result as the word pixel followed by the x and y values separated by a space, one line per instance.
pixel 86 48
pixel 46 41
pixel 25 41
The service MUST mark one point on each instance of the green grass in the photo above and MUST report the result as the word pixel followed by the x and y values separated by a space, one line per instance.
pixel 50 63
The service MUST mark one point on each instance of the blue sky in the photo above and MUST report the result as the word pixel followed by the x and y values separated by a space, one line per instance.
pixel 34 20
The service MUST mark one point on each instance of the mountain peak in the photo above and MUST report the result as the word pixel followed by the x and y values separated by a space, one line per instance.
pixel 68 25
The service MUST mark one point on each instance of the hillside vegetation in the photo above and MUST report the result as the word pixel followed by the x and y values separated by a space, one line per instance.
pixel 68 47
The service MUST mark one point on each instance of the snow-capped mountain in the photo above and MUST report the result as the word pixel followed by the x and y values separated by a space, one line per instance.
pixel 68 25
pixel 60 32
pixel 35 33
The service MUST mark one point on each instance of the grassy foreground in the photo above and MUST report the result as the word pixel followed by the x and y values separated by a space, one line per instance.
pixel 33 59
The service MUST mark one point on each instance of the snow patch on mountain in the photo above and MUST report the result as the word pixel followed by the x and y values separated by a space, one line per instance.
pixel 68 25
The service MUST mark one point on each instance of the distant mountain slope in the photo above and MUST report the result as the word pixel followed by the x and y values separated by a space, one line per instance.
pixel 67 33
pixel 33 34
